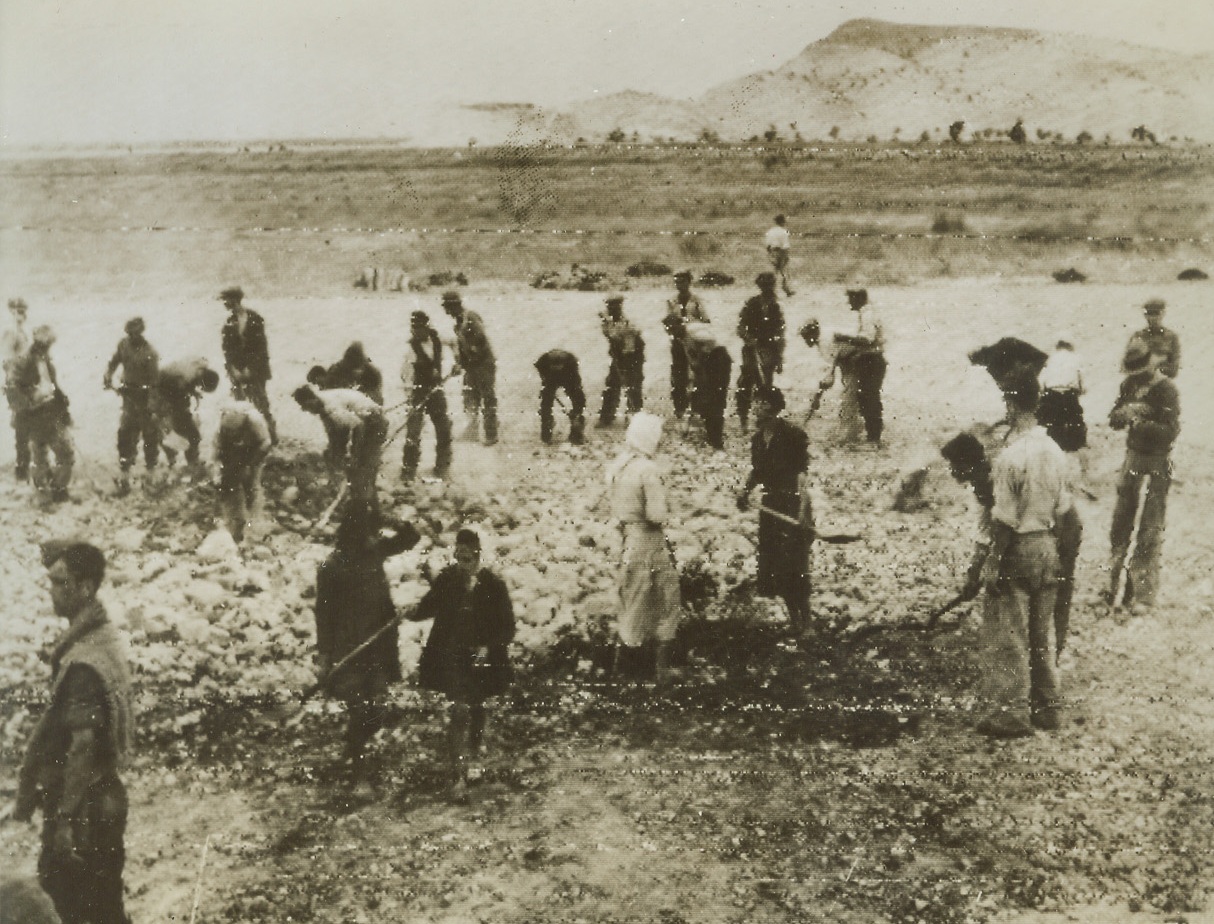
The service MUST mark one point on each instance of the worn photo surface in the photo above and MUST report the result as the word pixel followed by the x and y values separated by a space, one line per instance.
pixel 622 462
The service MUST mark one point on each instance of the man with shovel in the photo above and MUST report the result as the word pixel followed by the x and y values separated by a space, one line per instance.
pixel 422 374
pixel 761 330
pixel 353 605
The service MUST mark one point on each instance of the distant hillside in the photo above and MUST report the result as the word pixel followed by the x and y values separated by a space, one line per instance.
pixel 872 78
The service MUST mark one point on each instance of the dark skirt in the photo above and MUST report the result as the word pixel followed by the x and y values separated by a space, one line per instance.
pixel 1062 416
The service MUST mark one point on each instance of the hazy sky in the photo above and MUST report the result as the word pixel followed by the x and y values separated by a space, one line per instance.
pixel 153 70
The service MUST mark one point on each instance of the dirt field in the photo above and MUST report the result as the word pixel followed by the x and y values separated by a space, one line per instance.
pixel 822 781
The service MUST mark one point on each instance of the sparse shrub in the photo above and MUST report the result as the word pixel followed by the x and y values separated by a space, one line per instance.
pixel 1192 275
pixel 872 139
pixel 648 268
pixel 616 135
pixel 711 278
pixel 1084 137
pixel 926 137
pixel 955 130
pixel 772 134
pixel 1017 132
pixel 834 132
pixel 1069 275
pixel 1143 134
pixel 708 136
pixel 948 224
pixel 698 247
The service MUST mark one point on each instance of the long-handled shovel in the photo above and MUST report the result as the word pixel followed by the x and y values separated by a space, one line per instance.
pixel 832 538
pixel 1122 577
pixel 927 625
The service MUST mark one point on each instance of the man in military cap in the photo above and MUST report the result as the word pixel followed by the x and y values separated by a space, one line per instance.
pixel 44 408
pixel 474 357
pixel 559 369
pixel 1158 338
pixel 246 354
pixel 422 374
pixel 13 344
pixel 681 310
pixel 1148 409
pixel 626 348
pixel 761 329
pixel 79 746
pixel 140 374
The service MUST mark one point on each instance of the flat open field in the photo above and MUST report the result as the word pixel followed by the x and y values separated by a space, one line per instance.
pixel 776 781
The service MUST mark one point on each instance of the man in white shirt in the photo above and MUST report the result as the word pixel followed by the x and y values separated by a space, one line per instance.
pixel 867 363
pixel 779 243
pixel 1020 687
pixel 242 443
pixel 364 419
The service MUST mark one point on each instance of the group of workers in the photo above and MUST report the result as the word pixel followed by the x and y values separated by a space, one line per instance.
pixel 1018 472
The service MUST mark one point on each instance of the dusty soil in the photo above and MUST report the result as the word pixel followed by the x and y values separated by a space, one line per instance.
pixel 776 781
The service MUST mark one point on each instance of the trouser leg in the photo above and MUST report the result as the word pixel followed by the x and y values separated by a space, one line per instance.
pixel 128 432
pixel 1070 536
pixel 577 411
pixel 436 407
pixel 547 422
pixel 611 394
pixel 1121 530
pixel 635 384
pixel 484 382
pixel 87 888
pixel 255 393
pixel 366 451
pixel 412 453
pixel 678 377
pixel 1145 566
pixel 21 437
pixel 870 376
pixel 748 377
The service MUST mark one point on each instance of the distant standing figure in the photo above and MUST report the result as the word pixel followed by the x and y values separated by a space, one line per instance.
pixel 140 365
pixel 868 362
pixel 1159 339
pixel 246 355
pixel 558 369
pixel 626 348
pixel 474 357
pixel 72 763
pixel 47 420
pixel 1148 409
pixel 779 461
pixel 683 309
pixel 761 330
pixel 353 603
pixel 422 373
pixel 241 446
pixel 180 388
pixel 466 656
pixel 649 583
pixel 13 344
pixel 779 245
pixel 1061 387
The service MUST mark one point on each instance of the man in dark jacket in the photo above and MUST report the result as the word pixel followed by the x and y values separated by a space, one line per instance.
pixel 422 374
pixel 559 369
pixel 1148 409
pixel 779 461
pixel 466 655
pixel 685 308
pixel 761 329
pixel 79 746
pixel 710 366
pixel 474 357
pixel 246 354
pixel 626 349
pixel 140 375
pixel 353 603
pixel 1158 339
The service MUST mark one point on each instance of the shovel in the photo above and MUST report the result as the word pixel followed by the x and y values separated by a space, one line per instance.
pixel 929 625
pixel 832 538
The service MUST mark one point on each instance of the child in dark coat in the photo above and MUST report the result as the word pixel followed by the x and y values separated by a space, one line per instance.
pixel 466 655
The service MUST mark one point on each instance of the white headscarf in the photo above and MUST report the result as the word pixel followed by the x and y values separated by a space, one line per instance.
pixel 644 434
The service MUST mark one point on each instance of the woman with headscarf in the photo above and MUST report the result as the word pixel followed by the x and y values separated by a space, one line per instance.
pixel 649 583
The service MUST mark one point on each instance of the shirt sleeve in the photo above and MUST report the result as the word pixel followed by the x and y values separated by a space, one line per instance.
pixel 82 699
pixel 656 509
pixel 1007 488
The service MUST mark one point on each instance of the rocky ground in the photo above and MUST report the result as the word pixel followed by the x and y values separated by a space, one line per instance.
pixel 830 779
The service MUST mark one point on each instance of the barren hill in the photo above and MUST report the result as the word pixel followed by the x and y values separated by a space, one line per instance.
pixel 871 78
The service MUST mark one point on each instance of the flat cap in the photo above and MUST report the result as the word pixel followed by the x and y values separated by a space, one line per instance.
pixel 43 334
pixel 135 326
pixel 683 274
pixel 232 294
pixel 451 297
pixel 614 300
pixel 18 304
pixel 1155 306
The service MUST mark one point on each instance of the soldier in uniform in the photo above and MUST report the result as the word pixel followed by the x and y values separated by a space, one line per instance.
pixel 626 347
pixel 353 604
pixel 79 746
pixel 559 369
pixel 246 355
pixel 1148 409
pixel 140 376
pixel 474 357
pixel 681 310
pixel 422 374
pixel 179 389
pixel 1158 339
pixel 44 409
pixel 761 329
pixel 13 344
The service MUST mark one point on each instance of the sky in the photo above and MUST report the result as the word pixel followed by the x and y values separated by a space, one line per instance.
pixel 149 71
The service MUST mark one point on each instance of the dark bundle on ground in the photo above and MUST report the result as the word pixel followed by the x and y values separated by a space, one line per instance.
pixel 578 278
pixel 1070 275
pixel 1192 275
pixel 712 278
pixel 1009 360
pixel 648 268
